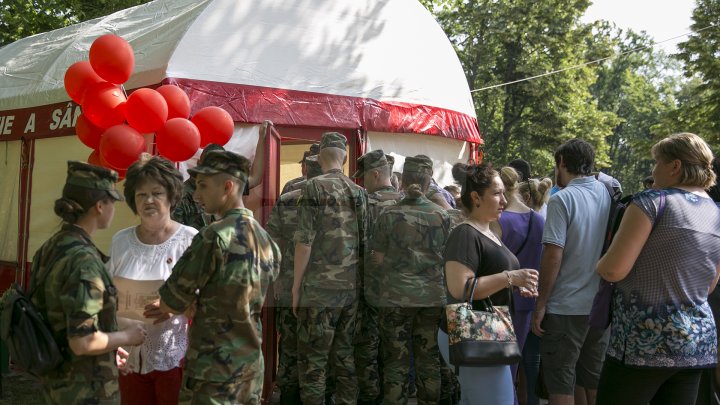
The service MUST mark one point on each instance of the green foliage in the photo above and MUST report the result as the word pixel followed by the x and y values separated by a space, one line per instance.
pixel 621 106
pixel 22 18
pixel 507 40
pixel 699 108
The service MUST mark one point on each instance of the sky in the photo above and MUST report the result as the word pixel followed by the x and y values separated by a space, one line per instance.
pixel 661 19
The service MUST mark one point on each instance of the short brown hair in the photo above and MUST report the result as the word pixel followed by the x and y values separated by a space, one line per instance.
pixel 158 169
pixel 694 154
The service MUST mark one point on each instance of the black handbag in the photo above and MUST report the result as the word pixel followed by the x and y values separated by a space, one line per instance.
pixel 480 337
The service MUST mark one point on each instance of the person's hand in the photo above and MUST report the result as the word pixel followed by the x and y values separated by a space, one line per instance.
pixel 121 357
pixel 537 319
pixel 136 334
pixel 295 299
pixel 152 311
pixel 525 278
pixel 267 123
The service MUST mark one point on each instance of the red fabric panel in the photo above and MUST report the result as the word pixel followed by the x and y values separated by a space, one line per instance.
pixel 248 103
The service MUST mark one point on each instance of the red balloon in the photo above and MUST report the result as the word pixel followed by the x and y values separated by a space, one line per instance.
pixel 121 172
pixel 121 145
pixel 215 125
pixel 147 110
pixel 95 159
pixel 104 105
pixel 177 101
pixel 78 78
pixel 178 139
pixel 112 58
pixel 88 133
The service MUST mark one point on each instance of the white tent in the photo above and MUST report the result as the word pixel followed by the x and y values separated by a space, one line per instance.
pixel 380 71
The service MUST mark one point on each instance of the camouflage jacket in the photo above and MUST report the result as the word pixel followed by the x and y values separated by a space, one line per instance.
pixel 77 298
pixel 230 262
pixel 294 184
pixel 332 219
pixel 457 217
pixel 281 226
pixel 378 200
pixel 188 211
pixel 412 236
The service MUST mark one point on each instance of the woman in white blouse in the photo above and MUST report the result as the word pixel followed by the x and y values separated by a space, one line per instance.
pixel 148 252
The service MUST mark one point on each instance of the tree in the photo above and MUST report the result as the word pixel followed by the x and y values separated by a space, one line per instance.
pixel 699 109
pixel 19 19
pixel 635 86
pixel 504 41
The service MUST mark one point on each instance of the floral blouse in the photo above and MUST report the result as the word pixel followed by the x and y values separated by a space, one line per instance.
pixel 661 318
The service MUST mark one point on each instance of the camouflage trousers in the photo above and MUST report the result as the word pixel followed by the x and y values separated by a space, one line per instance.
pixel 401 329
pixel 90 393
pixel 367 347
pixel 287 373
pixel 325 336
pixel 245 389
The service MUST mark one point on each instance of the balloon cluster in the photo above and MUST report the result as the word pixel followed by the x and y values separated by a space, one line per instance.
pixel 113 124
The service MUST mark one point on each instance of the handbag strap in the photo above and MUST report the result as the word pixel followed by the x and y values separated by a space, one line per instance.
pixel 469 293
pixel 527 235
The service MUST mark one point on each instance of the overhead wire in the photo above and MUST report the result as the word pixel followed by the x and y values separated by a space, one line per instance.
pixel 640 48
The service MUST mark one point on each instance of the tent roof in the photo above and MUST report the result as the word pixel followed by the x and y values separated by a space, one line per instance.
pixel 383 65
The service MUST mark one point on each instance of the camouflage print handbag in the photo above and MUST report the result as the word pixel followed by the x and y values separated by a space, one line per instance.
pixel 480 337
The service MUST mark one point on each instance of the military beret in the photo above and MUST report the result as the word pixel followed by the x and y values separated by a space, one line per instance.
pixel 370 160
pixel 223 161
pixel 313 166
pixel 333 140
pixel 85 175
pixel 420 164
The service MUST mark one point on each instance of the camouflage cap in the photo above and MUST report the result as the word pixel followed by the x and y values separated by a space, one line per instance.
pixel 85 175
pixel 223 161
pixel 333 140
pixel 313 166
pixel 207 149
pixel 419 164
pixel 370 160
pixel 314 150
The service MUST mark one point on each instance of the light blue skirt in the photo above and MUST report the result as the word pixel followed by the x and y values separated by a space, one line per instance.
pixel 481 385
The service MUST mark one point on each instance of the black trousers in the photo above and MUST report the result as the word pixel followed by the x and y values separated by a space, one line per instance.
pixel 624 385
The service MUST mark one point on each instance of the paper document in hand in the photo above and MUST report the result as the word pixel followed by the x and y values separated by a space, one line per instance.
pixel 133 295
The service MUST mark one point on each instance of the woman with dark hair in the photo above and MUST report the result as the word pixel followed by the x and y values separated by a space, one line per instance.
pixel 473 251
pixel 148 251
pixel 664 261
pixel 75 294
pixel 408 239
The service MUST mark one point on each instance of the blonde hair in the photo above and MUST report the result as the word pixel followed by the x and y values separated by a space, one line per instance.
pixel 510 179
pixel 536 192
pixel 694 154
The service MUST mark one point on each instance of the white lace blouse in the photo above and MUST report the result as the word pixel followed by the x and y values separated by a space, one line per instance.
pixel 165 344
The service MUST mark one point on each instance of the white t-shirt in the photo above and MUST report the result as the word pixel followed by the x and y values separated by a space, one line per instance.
pixel 165 344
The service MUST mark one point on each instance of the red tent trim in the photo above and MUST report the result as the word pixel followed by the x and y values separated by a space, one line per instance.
pixel 247 103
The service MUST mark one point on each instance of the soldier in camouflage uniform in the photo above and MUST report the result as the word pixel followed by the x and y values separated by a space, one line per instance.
pixel 375 169
pixel 188 211
pixel 329 247
pixel 74 292
pixel 230 264
pixel 281 226
pixel 408 241
pixel 299 182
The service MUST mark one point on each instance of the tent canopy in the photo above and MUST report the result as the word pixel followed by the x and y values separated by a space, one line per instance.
pixel 380 65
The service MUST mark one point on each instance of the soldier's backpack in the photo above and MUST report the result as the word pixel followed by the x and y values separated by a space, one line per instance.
pixel 27 334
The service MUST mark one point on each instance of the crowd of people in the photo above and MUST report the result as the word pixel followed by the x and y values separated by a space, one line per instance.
pixel 362 268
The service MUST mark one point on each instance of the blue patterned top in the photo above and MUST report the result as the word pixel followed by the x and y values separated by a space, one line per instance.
pixel 661 317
